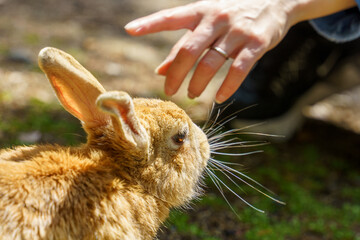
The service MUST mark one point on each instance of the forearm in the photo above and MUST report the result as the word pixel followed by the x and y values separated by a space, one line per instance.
pixel 301 10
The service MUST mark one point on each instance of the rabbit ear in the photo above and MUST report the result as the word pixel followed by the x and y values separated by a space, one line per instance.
pixel 75 87
pixel 121 107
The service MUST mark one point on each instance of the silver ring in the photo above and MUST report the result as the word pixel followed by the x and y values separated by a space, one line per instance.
pixel 221 52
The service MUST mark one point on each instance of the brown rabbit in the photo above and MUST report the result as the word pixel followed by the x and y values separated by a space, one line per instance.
pixel 142 157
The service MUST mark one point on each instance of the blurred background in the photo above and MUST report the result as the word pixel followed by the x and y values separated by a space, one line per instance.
pixel 316 172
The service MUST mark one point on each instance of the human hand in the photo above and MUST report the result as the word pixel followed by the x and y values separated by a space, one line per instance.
pixel 244 29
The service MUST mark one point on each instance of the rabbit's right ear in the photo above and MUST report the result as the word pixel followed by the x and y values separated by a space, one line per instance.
pixel 121 107
pixel 75 87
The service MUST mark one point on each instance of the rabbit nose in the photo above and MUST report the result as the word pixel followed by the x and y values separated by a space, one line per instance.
pixel 203 143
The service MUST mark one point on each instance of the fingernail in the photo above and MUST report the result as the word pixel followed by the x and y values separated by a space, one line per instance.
pixel 220 99
pixel 132 25
pixel 157 70
pixel 191 96
pixel 162 68
pixel 169 91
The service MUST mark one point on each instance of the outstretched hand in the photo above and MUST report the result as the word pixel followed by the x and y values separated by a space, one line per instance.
pixel 244 29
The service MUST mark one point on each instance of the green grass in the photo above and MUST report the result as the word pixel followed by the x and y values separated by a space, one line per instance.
pixel 31 39
pixel 181 221
pixel 51 120
pixel 302 177
pixel 302 183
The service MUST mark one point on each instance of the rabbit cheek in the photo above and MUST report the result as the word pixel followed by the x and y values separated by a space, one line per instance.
pixel 204 147
pixel 178 160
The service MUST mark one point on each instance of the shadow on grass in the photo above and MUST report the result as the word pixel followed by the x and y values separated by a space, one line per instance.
pixel 38 123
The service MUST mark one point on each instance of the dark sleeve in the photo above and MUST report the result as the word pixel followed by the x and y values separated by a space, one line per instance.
pixel 339 27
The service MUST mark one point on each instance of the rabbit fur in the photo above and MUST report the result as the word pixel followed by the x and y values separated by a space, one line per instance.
pixel 142 158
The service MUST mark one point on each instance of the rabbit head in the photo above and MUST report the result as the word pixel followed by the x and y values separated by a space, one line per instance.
pixel 153 141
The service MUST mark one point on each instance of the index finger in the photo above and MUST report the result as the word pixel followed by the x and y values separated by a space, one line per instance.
pixel 165 20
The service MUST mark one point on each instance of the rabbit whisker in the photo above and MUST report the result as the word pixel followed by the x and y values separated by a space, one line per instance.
pixel 205 126
pixel 226 163
pixel 218 186
pixel 237 195
pixel 235 154
pixel 219 127
pixel 228 118
pixel 233 131
pixel 232 172
pixel 219 140
pixel 74 134
pixel 223 171
pixel 223 121
pixel 262 134
pixel 223 166
pixel 242 144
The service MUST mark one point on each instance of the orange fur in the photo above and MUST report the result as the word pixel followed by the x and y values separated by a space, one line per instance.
pixel 121 184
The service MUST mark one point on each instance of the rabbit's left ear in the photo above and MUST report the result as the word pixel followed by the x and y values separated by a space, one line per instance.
pixel 121 107
pixel 75 87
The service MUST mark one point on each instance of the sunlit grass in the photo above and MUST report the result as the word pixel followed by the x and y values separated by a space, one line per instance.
pixel 52 122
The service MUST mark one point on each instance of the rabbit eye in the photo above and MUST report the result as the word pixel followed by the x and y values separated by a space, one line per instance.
pixel 179 138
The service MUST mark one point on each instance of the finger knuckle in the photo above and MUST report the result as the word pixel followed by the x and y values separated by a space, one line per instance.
pixel 168 15
pixel 204 6
pixel 222 15
pixel 190 50
pixel 258 38
pixel 239 68
pixel 238 30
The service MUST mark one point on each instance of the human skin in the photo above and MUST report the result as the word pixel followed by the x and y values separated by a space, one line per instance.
pixel 245 29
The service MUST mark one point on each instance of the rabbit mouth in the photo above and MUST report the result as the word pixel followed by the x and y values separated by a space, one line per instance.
pixel 222 173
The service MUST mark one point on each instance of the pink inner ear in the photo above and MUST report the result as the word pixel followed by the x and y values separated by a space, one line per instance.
pixel 79 102
pixel 124 113
pixel 66 101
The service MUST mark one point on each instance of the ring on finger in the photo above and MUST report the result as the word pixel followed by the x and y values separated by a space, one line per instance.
pixel 221 51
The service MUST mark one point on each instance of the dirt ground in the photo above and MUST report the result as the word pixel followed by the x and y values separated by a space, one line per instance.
pixel 92 31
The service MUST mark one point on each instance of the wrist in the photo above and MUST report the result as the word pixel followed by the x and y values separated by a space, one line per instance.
pixel 302 10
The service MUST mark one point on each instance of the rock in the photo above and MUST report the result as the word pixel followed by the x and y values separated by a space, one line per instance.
pixel 30 137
